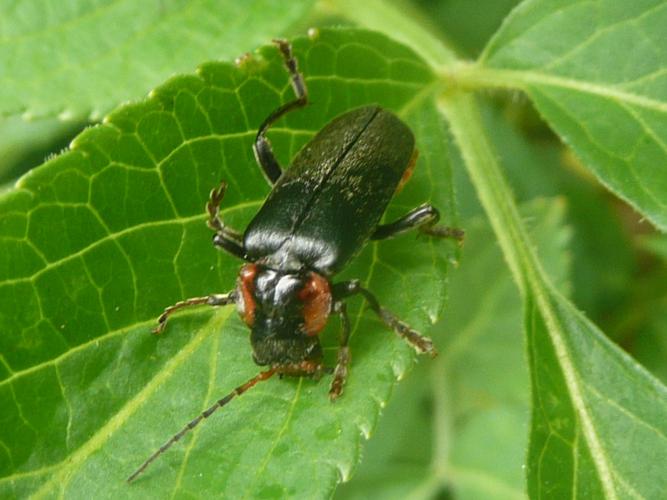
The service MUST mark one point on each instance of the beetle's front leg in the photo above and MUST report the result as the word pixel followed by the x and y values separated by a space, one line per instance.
pixel 220 299
pixel 424 218
pixel 225 237
pixel 340 373
pixel 421 343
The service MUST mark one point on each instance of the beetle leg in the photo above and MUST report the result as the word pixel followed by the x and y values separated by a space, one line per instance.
pixel 421 343
pixel 340 373
pixel 220 299
pixel 225 237
pixel 424 218
pixel 262 147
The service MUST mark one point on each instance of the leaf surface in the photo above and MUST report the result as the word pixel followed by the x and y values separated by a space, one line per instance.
pixel 476 394
pixel 99 240
pixel 81 58
pixel 595 410
pixel 597 71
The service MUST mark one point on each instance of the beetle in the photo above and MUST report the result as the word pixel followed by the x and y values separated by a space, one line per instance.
pixel 320 213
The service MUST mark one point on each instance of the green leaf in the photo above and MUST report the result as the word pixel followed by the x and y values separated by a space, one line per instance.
pixel 24 145
pixel 468 25
pixel 98 241
pixel 595 410
pixel 430 437
pixel 485 368
pixel 82 58
pixel 392 18
pixel 597 72
pixel 602 258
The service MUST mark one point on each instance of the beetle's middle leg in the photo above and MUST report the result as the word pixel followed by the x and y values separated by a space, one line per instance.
pixel 423 218
pixel 421 343
pixel 262 147
pixel 225 237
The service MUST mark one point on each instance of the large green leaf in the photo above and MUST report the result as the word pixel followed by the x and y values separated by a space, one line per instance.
pixel 475 396
pixel 596 412
pixel 597 73
pixel 79 58
pixel 98 241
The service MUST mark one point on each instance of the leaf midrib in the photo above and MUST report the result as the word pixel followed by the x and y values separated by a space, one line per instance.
pixel 72 462
pixel 476 75
pixel 113 236
pixel 213 368
pixel 497 41
pixel 494 193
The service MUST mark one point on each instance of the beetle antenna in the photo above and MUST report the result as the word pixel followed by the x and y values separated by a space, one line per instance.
pixel 265 375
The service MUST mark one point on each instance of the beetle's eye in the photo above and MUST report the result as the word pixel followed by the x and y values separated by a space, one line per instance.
pixel 316 298
pixel 245 303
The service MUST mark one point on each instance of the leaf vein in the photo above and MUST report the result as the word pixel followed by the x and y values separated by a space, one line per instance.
pixel 78 457
pixel 597 34
pixel 213 357
pixel 625 411
pixel 123 232
pixel 281 432
pixel 525 78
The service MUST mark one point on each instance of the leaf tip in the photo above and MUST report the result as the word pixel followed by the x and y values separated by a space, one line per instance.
pixel 399 369
pixel 344 472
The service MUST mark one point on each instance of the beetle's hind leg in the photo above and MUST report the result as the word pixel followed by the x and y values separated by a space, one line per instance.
pixel 225 237
pixel 219 299
pixel 262 147
pixel 423 218
pixel 340 373
pixel 421 343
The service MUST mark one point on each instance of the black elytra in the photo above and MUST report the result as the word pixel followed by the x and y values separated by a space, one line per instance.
pixel 321 211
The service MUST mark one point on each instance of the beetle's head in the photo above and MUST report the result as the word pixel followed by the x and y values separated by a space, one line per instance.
pixel 285 312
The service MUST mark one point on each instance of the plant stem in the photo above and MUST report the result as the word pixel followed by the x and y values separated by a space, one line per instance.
pixel 494 193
